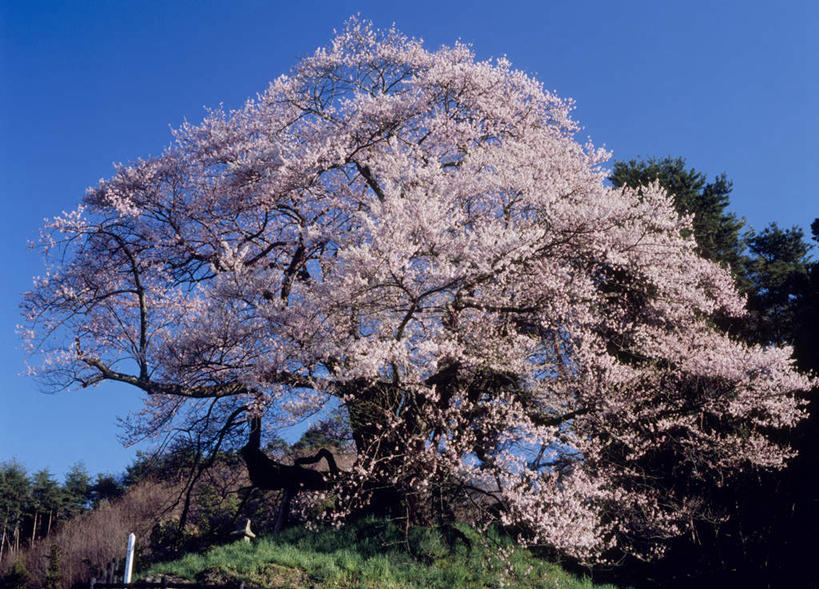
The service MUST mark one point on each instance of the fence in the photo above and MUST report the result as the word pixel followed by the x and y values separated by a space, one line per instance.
pixel 163 584
pixel 113 568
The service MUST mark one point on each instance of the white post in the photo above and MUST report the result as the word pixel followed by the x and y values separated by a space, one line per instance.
pixel 129 559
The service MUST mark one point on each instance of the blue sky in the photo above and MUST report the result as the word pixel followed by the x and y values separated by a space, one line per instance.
pixel 731 86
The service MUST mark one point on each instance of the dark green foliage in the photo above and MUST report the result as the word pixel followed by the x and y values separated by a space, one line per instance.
pixel 15 488
pixel 331 432
pixel 778 274
pixel 15 503
pixel 217 502
pixel 17 577
pixel 47 499
pixel 106 488
pixel 771 533
pixel 806 323
pixel 795 510
pixel 170 465
pixel 167 540
pixel 313 439
pixel 76 491
pixel 214 515
pixel 54 576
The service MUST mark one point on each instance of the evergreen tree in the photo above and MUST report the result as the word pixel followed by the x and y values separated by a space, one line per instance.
pixel 793 542
pixel 53 578
pixel 15 502
pixel 47 498
pixel 806 324
pixel 778 273
pixel 106 488
pixel 773 516
pixel 77 491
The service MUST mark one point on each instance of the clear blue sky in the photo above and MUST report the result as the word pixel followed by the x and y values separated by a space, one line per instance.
pixel 731 85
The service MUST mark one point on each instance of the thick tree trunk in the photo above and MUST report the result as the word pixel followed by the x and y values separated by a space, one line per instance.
pixel 388 448
pixel 269 475
pixel 373 401
pixel 283 512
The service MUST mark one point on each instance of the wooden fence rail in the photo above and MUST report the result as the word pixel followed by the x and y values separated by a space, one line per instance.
pixel 164 584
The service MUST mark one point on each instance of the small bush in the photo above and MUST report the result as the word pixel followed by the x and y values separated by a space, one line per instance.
pixel 17 577
pixel 167 540
pixel 54 576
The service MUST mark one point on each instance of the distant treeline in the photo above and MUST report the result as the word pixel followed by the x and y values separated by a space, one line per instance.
pixel 33 505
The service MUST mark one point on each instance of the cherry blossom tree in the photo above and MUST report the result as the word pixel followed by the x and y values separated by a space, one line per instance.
pixel 417 239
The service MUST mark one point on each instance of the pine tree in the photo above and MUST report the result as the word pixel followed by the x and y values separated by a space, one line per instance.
pixel 53 578
pixel 77 490
pixel 778 273
pixel 47 498
pixel 15 504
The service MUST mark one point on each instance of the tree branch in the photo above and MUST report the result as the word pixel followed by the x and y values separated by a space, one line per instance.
pixel 367 174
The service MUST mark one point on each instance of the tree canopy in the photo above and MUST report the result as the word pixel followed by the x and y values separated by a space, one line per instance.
pixel 715 229
pixel 778 272
pixel 417 238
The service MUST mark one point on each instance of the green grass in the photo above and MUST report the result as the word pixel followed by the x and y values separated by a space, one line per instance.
pixel 373 554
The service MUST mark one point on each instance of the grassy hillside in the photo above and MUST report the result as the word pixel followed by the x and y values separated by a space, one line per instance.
pixel 373 554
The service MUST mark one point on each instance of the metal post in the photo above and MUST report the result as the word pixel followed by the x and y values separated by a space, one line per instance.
pixel 129 559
